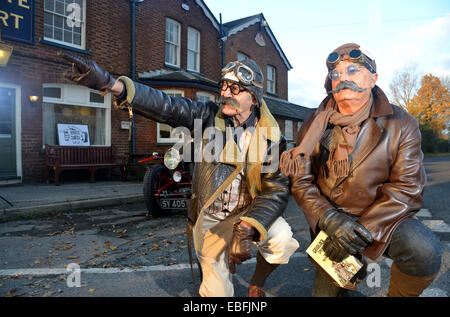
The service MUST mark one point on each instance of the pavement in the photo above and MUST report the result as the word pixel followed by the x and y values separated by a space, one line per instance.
pixel 42 198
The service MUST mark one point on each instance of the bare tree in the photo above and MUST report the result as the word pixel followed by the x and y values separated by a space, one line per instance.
pixel 445 80
pixel 404 85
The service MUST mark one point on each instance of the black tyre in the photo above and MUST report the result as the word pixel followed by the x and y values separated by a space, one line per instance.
pixel 153 179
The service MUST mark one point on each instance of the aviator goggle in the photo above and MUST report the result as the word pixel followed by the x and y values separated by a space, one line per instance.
pixel 355 56
pixel 242 72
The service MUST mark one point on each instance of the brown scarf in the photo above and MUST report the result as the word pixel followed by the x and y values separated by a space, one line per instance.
pixel 343 141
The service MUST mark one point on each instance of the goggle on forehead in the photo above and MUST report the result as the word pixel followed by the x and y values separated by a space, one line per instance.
pixel 355 56
pixel 242 72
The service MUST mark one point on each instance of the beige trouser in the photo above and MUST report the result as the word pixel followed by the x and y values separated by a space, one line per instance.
pixel 211 252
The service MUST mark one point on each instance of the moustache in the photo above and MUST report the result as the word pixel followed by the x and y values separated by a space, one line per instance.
pixel 347 85
pixel 229 101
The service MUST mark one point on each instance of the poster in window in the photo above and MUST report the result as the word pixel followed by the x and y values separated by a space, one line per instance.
pixel 73 134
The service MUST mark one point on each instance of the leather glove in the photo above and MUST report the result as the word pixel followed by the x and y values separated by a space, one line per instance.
pixel 334 250
pixel 88 73
pixel 240 248
pixel 344 233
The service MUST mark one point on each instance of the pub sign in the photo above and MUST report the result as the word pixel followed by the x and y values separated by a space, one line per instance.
pixel 17 20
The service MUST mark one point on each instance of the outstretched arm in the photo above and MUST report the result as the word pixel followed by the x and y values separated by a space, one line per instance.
pixel 144 100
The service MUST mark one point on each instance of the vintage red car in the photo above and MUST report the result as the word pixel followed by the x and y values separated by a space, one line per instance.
pixel 168 184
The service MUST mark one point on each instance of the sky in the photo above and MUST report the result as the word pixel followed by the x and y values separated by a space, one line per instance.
pixel 397 33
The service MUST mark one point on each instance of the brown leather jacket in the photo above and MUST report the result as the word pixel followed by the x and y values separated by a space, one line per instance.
pixel 386 180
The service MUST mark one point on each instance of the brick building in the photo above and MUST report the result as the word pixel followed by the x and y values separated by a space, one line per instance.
pixel 178 49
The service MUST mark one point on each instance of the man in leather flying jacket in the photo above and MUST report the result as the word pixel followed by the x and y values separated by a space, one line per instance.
pixel 357 174
pixel 235 202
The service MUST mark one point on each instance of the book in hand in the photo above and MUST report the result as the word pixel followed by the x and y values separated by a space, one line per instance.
pixel 341 273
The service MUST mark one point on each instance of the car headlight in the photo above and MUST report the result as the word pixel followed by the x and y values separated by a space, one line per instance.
pixel 172 158
pixel 177 176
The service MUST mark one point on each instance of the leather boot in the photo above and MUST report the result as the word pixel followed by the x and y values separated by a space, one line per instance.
pixel 262 271
pixel 256 291
pixel 403 285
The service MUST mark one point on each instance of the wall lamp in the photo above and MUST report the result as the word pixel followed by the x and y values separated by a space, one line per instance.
pixel 5 52
pixel 34 100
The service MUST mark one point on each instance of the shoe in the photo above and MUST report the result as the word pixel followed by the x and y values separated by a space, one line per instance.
pixel 256 291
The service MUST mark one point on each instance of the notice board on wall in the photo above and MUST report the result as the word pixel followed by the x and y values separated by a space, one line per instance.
pixel 73 134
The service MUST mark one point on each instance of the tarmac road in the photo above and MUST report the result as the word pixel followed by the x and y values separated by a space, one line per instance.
pixel 122 252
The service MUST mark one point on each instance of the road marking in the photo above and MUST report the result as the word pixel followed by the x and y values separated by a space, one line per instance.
pixel 424 213
pixel 436 225
pixel 113 270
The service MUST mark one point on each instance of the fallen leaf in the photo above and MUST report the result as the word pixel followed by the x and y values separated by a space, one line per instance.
pixel 123 236
pixel 11 292
pixel 72 257
pixel 91 290
pixel 136 266
pixel 112 248
pixel 156 246
pixel 48 294
pixel 54 233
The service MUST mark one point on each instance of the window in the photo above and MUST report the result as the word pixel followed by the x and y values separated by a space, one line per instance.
pixel 204 97
pixel 76 105
pixel 193 50
pixel 241 56
pixel 64 22
pixel 164 131
pixel 271 84
pixel 299 125
pixel 288 131
pixel 173 30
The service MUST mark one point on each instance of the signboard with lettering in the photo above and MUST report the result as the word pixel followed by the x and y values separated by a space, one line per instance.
pixel 17 20
pixel 73 134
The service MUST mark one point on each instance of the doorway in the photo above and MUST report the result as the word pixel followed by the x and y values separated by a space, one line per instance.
pixel 10 151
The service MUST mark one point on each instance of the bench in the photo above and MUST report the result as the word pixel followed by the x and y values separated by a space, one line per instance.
pixel 59 158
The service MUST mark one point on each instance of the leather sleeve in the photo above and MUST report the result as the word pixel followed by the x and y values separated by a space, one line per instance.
pixel 305 191
pixel 403 193
pixel 158 106
pixel 271 201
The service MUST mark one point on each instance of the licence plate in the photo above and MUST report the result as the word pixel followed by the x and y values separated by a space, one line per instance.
pixel 172 203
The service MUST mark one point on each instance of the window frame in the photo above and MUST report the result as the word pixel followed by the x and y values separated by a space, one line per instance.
pixel 83 95
pixel 158 124
pixel 272 82
pixel 177 45
pixel 211 97
pixel 289 123
pixel 197 53
pixel 82 33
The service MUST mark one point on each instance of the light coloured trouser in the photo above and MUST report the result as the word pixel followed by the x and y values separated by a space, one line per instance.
pixel 212 255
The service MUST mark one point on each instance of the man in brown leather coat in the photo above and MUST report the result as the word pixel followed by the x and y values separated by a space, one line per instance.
pixel 357 174
pixel 237 199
